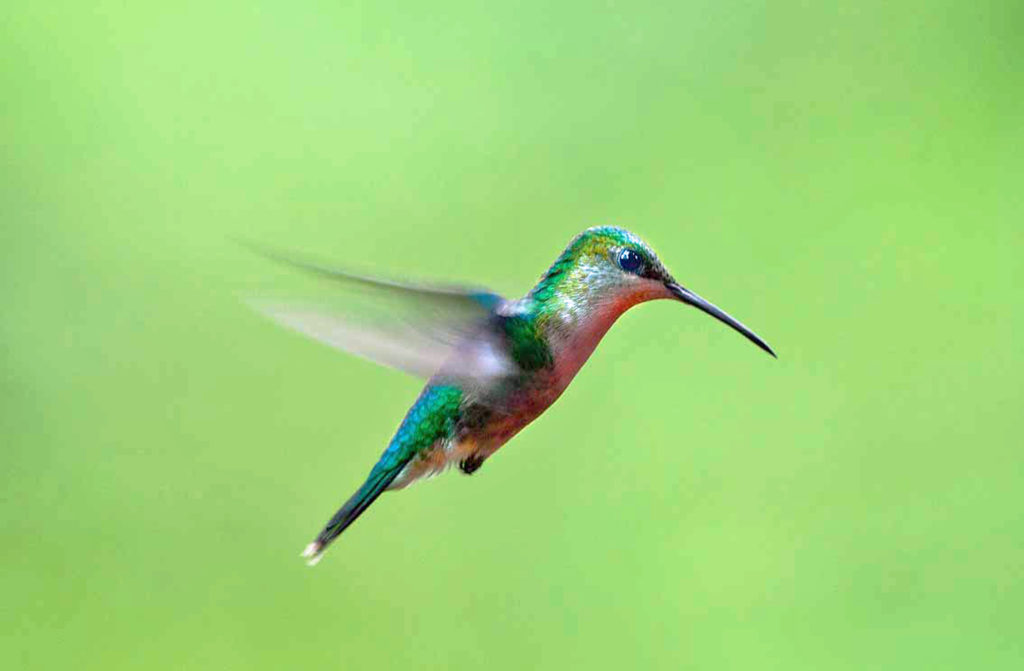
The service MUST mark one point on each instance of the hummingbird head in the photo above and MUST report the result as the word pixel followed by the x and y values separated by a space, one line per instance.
pixel 607 270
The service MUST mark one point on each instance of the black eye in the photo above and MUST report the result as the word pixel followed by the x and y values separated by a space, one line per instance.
pixel 630 261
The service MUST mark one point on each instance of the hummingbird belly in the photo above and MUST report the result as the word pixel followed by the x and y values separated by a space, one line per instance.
pixel 480 429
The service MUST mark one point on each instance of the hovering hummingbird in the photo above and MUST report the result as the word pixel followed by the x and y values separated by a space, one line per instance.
pixel 492 365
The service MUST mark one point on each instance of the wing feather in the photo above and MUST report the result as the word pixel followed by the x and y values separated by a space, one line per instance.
pixel 412 327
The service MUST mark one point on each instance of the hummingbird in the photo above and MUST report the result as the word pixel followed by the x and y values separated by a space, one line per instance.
pixel 492 365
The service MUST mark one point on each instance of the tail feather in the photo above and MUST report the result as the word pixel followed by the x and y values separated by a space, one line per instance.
pixel 430 421
pixel 374 486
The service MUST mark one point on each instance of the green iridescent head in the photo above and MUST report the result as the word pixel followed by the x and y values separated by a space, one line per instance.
pixel 607 264
pixel 607 269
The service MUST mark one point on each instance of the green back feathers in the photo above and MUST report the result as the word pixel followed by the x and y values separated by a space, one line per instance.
pixel 432 417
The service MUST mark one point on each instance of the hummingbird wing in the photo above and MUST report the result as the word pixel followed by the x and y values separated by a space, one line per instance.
pixel 412 327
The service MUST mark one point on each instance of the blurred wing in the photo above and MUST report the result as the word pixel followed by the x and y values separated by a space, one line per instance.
pixel 414 328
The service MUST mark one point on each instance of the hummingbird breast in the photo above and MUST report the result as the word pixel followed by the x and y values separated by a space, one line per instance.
pixel 486 425
pixel 573 340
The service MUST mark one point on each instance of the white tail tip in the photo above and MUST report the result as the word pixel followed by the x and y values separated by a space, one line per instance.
pixel 312 553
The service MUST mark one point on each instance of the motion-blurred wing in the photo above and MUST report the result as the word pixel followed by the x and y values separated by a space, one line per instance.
pixel 414 328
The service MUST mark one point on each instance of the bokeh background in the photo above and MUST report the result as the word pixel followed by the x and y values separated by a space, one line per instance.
pixel 844 177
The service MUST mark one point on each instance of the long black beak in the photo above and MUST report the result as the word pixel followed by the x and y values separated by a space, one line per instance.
pixel 690 298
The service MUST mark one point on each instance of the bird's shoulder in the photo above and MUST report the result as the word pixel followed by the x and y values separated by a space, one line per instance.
pixel 524 338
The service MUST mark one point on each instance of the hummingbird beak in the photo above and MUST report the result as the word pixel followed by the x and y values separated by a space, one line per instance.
pixel 690 298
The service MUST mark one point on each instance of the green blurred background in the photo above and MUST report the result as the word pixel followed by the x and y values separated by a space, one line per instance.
pixel 845 178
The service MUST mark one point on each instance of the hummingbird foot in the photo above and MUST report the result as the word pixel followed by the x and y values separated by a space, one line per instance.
pixel 470 464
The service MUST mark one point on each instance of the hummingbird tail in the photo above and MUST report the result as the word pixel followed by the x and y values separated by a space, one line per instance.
pixel 374 486
pixel 430 421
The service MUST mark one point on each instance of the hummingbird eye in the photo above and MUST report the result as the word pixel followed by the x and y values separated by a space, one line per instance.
pixel 630 261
